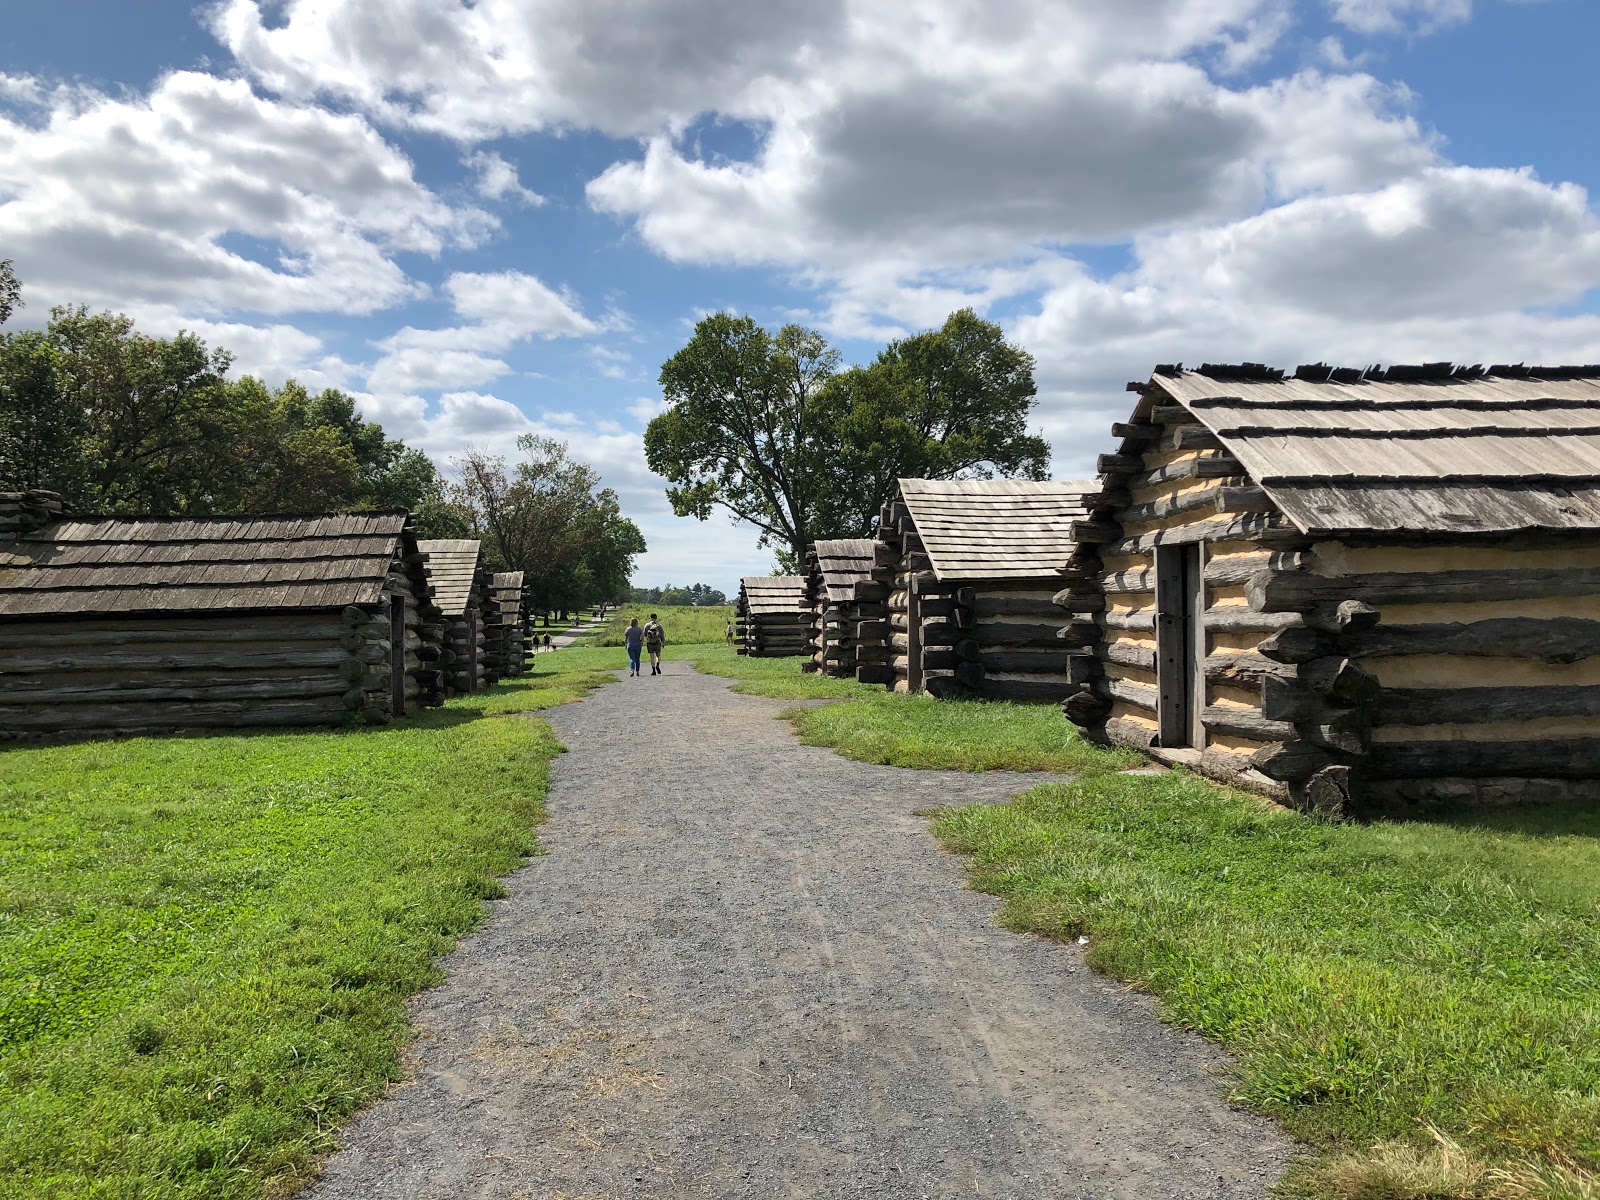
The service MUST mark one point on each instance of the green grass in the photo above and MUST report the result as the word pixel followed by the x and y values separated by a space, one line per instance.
pixel 206 942
pixel 685 625
pixel 775 678
pixel 1372 981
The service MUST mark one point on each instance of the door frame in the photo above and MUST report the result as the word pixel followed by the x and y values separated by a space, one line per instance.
pixel 1180 644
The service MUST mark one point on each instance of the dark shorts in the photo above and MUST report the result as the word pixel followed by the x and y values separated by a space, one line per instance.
pixel 653 647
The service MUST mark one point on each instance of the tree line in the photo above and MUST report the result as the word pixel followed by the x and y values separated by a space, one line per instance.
pixel 699 595
pixel 769 427
pixel 122 423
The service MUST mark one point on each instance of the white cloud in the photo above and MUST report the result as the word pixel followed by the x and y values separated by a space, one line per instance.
pixel 1395 16
pixel 499 310
pixel 206 197
pixel 497 179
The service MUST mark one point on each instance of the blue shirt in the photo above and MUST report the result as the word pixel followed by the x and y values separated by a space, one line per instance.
pixel 634 637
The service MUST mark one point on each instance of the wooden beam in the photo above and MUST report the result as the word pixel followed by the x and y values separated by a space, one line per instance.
pixel 1024 691
pixel 1286 591
pixel 1190 437
pixel 1007 633
pixel 1136 430
pixel 1128 655
pixel 1476 705
pixel 1244 722
pixel 1244 499
pixel 1574 758
pixel 1130 733
pixel 1551 640
pixel 1115 464
pixel 1054 661
pixel 1290 761
pixel 1268 529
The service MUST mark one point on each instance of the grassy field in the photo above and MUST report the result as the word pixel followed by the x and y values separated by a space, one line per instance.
pixel 685 625
pixel 1389 991
pixel 206 942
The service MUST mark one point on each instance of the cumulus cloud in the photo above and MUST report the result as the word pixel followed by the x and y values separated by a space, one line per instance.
pixel 1395 16
pixel 497 310
pixel 205 196
pixel 497 179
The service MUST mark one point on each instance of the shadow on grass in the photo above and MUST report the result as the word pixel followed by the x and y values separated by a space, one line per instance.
pixel 1534 821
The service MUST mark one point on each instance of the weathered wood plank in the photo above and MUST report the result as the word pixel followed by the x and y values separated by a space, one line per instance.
pixel 1575 758
pixel 1288 591
pixel 1476 705
pixel 1551 640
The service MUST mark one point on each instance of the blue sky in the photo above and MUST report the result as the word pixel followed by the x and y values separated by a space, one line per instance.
pixel 502 217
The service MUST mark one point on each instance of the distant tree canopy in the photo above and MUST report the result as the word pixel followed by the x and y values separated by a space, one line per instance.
pixel 119 422
pixel 547 516
pixel 767 426
pixel 699 595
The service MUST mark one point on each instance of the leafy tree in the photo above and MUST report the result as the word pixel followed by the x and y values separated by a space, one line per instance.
pixel 548 517
pixel 744 431
pixel 10 291
pixel 765 427
pixel 949 403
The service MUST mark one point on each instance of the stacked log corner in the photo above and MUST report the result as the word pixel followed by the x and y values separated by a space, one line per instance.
pixel 835 612
pixel 507 635
pixel 772 618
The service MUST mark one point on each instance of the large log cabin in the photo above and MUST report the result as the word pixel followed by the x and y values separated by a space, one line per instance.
pixel 772 616
pixel 461 589
pixel 116 625
pixel 1362 591
pixel 967 570
pixel 833 568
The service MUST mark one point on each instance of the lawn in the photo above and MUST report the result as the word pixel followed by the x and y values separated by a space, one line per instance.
pixel 1388 991
pixel 206 942
pixel 684 625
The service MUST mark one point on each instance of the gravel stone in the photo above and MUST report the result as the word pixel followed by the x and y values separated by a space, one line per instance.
pixel 745 968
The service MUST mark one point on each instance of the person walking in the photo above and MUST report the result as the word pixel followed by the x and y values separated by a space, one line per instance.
pixel 655 637
pixel 633 638
pixel 547 643
pixel 730 633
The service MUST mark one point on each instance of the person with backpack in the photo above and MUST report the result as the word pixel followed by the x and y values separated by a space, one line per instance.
pixel 654 638
pixel 633 638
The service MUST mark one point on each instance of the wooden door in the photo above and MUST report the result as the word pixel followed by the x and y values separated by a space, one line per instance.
pixel 913 637
pixel 1180 645
pixel 397 655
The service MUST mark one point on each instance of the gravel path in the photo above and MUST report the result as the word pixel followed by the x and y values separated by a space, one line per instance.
pixel 746 969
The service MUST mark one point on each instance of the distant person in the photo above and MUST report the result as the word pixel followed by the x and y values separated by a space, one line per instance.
pixel 654 638
pixel 730 633
pixel 548 644
pixel 633 638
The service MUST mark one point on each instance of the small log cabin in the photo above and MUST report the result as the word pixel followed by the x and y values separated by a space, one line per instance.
pixel 772 617
pixel 506 624
pixel 113 625
pixel 1361 591
pixel 967 570
pixel 834 567
pixel 461 587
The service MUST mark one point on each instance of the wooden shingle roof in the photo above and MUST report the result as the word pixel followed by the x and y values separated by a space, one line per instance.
pixel 840 563
pixel 761 595
pixel 505 596
pixel 453 568
pixel 1472 454
pixel 103 565
pixel 996 528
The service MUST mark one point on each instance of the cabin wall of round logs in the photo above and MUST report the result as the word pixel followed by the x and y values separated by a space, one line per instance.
pixel 968 592
pixel 1376 671
pixel 772 617
pixel 461 589
pixel 508 635
pixel 833 568
pixel 132 625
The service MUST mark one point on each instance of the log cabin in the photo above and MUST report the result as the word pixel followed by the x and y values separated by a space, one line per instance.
pixel 123 625
pixel 508 633
pixel 772 616
pixel 967 570
pixel 833 568
pixel 461 587
pixel 1362 591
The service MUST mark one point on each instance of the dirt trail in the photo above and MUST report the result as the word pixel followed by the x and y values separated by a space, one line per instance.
pixel 745 969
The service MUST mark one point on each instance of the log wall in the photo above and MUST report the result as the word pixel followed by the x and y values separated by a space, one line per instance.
pixel 947 637
pixel 1351 677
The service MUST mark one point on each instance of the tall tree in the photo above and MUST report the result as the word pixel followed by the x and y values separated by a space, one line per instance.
pixel 766 427
pixel 10 291
pixel 548 517
pixel 949 403
pixel 743 431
